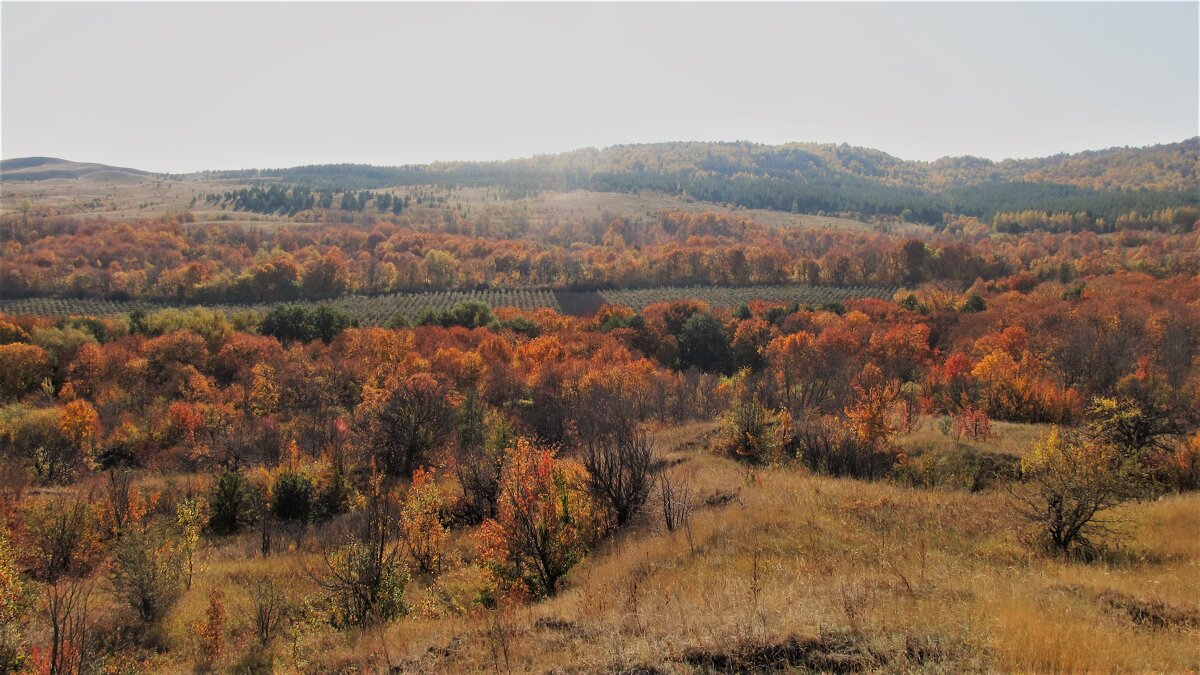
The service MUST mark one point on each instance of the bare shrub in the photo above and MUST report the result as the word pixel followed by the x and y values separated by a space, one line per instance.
pixel 676 501
pixel 365 579
pixel 619 476
pixel 272 606
pixel 828 446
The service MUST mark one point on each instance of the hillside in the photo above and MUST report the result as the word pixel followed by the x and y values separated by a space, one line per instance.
pixel 811 178
pixel 49 168
pixel 803 178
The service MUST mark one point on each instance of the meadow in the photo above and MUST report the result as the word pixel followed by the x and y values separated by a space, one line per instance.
pixel 779 568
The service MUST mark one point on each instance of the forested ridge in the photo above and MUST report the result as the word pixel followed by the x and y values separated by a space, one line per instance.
pixel 811 178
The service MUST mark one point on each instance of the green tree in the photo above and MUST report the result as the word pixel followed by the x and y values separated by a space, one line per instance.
pixel 704 344
pixel 231 503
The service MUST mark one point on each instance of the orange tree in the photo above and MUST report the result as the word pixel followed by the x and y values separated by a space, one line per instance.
pixel 545 521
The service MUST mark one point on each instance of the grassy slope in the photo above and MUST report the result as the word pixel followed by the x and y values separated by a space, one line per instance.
pixel 154 196
pixel 877 575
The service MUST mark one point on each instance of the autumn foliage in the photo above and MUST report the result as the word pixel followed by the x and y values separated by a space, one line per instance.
pixel 545 521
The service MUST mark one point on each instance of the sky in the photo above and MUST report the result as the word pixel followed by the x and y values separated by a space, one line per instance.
pixel 189 86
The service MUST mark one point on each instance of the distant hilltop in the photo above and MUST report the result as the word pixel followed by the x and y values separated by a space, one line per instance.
pixel 47 168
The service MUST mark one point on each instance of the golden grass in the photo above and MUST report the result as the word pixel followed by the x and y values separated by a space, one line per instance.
pixel 917 580
pixel 922 580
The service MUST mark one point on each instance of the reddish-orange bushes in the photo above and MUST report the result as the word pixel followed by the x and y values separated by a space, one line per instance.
pixel 545 521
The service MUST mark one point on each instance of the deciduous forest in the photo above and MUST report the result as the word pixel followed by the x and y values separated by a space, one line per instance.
pixel 420 419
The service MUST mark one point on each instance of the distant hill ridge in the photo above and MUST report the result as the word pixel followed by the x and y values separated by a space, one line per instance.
pixel 1171 166
pixel 795 177
pixel 46 168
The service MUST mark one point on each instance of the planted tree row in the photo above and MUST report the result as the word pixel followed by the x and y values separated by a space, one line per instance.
pixel 367 310
pixel 716 296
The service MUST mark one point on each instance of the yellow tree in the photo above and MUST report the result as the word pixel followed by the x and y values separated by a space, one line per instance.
pixel 264 390
pixel 1071 481
pixel 80 426
pixel 421 521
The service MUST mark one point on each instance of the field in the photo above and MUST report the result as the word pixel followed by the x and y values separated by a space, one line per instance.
pixel 785 569
pixel 378 310
pixel 118 196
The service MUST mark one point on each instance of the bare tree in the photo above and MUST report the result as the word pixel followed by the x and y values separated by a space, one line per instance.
pixel 66 611
pixel 618 466
pixel 65 548
pixel 402 429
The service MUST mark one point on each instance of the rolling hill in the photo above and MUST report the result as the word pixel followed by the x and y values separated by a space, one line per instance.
pixel 793 178
pixel 811 178
pixel 47 168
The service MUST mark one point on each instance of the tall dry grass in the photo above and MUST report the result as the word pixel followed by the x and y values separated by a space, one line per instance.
pixel 873 575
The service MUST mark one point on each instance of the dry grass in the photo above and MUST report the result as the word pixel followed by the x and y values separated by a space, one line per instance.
pixel 879 575
pixel 143 197
pixel 790 569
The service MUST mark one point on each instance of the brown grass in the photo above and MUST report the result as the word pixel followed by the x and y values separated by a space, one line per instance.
pixel 794 570
pixel 812 570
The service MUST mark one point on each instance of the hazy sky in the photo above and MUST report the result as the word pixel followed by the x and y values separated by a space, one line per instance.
pixel 179 87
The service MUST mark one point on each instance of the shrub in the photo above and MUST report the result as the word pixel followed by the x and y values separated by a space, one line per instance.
pixel 972 423
pixel 366 585
pixel 16 609
pixel 752 433
pixel 1179 469
pixel 293 497
pixel 210 633
pixel 231 503
pixel 364 579
pixel 421 521
pixel 545 521
pixel 862 443
pixel 147 572
pixel 827 445
pixel 1071 481
pixel 188 520
pixel 272 606
pixel 974 303
pixel 336 497
pixel 483 439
